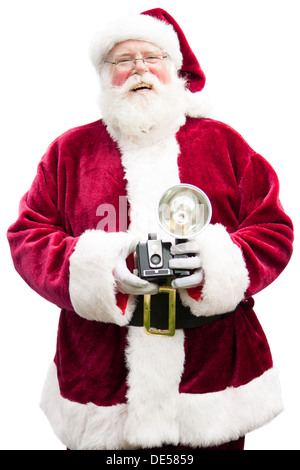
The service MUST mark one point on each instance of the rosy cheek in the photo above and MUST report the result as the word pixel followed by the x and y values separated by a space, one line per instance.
pixel 119 78
pixel 163 75
pixel 165 78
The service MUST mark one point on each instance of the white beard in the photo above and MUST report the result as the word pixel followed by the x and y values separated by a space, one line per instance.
pixel 139 117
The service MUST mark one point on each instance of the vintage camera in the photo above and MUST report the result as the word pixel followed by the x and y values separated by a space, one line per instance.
pixel 183 212
pixel 153 260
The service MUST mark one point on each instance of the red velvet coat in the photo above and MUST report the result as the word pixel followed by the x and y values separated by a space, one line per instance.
pixel 111 386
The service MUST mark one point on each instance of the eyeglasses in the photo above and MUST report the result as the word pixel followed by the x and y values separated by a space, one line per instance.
pixel 130 63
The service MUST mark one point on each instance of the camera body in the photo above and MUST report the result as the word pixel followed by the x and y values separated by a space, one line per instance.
pixel 153 261
pixel 183 212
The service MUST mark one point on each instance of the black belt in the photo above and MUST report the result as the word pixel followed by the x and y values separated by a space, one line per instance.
pixel 159 314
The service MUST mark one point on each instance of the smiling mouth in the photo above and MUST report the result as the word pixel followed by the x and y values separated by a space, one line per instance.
pixel 141 86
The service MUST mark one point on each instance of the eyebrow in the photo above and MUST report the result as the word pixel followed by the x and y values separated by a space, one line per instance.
pixel 130 54
pixel 122 54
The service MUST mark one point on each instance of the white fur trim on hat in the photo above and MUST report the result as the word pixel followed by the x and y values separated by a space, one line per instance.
pixel 138 27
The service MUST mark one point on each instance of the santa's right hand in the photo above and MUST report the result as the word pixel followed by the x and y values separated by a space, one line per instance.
pixel 126 281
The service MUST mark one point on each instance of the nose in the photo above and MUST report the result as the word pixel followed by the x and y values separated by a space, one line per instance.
pixel 140 67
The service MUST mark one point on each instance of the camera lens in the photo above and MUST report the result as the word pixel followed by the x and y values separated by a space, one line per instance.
pixel 155 259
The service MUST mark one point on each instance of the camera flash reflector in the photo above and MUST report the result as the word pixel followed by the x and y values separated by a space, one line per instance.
pixel 184 211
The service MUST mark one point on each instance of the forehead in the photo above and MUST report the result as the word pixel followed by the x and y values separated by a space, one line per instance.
pixel 132 46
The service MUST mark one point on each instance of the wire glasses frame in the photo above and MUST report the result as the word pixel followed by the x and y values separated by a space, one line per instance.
pixel 131 62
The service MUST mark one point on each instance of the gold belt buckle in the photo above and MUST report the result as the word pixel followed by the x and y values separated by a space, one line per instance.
pixel 172 313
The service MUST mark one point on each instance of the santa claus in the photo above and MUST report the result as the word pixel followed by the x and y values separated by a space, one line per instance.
pixel 111 386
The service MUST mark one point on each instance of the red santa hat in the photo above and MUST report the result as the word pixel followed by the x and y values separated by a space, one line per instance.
pixel 158 27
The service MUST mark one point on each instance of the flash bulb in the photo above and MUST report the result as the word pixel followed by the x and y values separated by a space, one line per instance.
pixel 184 211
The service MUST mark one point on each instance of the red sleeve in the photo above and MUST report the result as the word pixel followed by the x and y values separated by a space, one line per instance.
pixel 265 233
pixel 40 247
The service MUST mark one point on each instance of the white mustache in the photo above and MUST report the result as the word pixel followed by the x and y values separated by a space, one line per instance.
pixel 147 78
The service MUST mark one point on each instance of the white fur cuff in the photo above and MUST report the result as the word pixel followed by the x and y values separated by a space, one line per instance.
pixel 226 277
pixel 92 284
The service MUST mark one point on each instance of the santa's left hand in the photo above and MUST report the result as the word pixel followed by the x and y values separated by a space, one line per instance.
pixel 190 262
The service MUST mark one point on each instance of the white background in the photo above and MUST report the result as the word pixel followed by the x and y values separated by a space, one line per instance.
pixel 249 51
